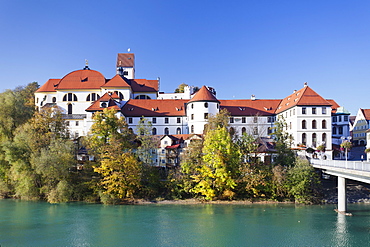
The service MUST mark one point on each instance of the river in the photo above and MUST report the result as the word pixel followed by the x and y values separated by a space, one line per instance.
pixel 80 224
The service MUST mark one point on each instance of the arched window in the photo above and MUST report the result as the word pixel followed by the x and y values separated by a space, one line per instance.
pixel 324 137
pixel 244 130
pixel 142 97
pixel 70 97
pixel 314 124
pixel 304 125
pixel 166 131
pixel 340 130
pixel 154 131
pixel 334 130
pixel 255 131
pixel 54 99
pixel 304 139
pixel 178 131
pixel 192 129
pixel 232 131
pixel 104 104
pixel 206 105
pixel 324 124
pixel 92 97
pixel 314 139
pixel 69 109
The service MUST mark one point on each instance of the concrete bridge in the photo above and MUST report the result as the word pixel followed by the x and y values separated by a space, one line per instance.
pixel 354 170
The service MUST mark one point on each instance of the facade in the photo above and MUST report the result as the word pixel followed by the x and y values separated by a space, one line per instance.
pixel 360 126
pixel 79 94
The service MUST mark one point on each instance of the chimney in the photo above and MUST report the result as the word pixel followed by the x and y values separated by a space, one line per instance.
pixel 253 97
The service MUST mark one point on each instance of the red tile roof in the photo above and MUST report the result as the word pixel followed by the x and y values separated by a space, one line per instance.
pixel 144 85
pixel 302 97
pixel 105 98
pixel 117 82
pixel 49 86
pixel 204 95
pixel 366 113
pixel 82 79
pixel 125 60
pixel 154 107
pixel 247 107
pixel 334 105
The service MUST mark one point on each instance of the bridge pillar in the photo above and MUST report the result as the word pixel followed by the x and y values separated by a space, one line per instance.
pixel 342 196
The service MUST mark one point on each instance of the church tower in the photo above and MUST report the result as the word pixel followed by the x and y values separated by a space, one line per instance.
pixel 126 65
pixel 200 108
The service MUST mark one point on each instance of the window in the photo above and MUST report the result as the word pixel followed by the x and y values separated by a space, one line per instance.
pixel 77 123
pixel 270 119
pixel 313 110
pixel 67 123
pixel 69 109
pixel 166 131
pixel 154 131
pixel 104 105
pixel 255 119
pixel 120 95
pixel 92 97
pixel 340 130
pixel 130 120
pixel 314 124
pixel 166 120
pixel 334 119
pixel 293 111
pixel 255 131
pixel 231 120
pixel 290 125
pixel 304 125
pixel 206 105
pixel 304 110
pixel 345 118
pixel 243 119
pixel 324 110
pixel 339 118
pixel 192 129
pixel 323 124
pixel 269 130
pixel 69 97
pixel 154 120
pixel 217 106
pixel 192 106
pixel 244 130
pixel 314 139
pixel 324 137
pixel 142 97
pixel 178 131
pixel 54 99
pixel 304 139
pixel 232 131
pixel 178 120
pixel 192 117
pixel 205 115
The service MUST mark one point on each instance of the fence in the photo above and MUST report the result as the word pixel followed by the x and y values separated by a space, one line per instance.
pixel 351 165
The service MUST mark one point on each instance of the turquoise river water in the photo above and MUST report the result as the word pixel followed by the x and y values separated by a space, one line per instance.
pixel 79 224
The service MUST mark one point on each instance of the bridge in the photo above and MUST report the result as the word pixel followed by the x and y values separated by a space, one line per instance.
pixel 344 169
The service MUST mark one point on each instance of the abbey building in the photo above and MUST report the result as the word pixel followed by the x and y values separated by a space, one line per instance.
pixel 81 93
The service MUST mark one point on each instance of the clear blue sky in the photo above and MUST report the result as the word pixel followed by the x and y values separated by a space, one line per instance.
pixel 266 48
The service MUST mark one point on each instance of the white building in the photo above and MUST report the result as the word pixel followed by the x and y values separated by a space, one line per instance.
pixel 81 93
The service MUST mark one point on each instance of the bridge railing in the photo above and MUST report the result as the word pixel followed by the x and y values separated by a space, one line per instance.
pixel 352 165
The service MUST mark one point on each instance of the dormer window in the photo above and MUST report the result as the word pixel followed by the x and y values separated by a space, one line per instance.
pixel 103 104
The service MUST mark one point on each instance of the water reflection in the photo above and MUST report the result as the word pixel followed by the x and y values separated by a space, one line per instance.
pixel 341 231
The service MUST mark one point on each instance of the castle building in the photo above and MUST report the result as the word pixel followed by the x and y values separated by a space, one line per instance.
pixel 83 92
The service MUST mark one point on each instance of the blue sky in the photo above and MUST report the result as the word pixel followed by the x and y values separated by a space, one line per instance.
pixel 266 48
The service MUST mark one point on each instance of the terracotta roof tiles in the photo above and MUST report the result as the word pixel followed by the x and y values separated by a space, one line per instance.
pixel 260 107
pixel 125 60
pixel 204 95
pixel 49 86
pixel 117 82
pixel 82 79
pixel 154 107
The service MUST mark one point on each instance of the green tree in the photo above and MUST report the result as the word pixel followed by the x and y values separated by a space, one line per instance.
pixel 146 143
pixel 283 143
pixel 303 182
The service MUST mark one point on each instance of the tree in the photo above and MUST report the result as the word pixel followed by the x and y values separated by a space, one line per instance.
pixel 120 176
pixel 180 88
pixel 303 182
pixel 108 129
pixel 219 168
pixel 146 142
pixel 283 142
